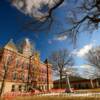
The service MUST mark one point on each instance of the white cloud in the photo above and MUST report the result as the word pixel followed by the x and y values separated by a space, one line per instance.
pixel 86 66
pixel 32 7
pixel 61 38
pixel 83 51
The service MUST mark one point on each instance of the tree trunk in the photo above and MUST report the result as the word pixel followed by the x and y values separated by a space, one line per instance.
pixel 60 79
pixel 69 85
pixel 97 83
pixel 3 82
pixel 91 82
pixel 59 84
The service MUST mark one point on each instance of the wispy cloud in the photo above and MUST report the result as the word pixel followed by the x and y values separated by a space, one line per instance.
pixel 86 66
pixel 60 38
pixel 83 51
pixel 57 38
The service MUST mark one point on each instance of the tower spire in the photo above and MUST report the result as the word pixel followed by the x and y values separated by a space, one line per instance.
pixel 27 47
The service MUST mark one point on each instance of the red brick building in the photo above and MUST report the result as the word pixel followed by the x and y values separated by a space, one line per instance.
pixel 78 83
pixel 22 70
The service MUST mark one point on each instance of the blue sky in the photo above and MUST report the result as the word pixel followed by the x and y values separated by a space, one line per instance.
pixel 10 26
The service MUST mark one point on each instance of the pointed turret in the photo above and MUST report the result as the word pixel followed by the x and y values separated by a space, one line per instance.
pixel 11 46
pixel 46 61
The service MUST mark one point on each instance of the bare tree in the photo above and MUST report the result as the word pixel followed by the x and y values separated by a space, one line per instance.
pixel 93 57
pixel 89 73
pixel 6 61
pixel 84 14
pixel 61 59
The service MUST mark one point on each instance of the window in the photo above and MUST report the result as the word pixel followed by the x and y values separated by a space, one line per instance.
pixel 45 87
pixel 75 86
pixel 23 65
pixel 20 87
pixel 25 88
pixel 10 58
pixel 13 88
pixel 22 76
pixel 8 61
pixel 27 65
pixel 86 86
pixel 45 80
pixel 14 76
pixel 80 86
pixel 17 62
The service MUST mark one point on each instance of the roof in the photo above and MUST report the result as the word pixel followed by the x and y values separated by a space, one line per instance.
pixel 11 46
pixel 72 79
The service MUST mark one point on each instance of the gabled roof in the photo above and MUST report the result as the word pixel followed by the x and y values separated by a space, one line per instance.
pixel 11 46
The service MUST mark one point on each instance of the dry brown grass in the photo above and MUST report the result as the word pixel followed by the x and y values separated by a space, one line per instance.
pixel 62 97
pixel 56 98
pixel 89 90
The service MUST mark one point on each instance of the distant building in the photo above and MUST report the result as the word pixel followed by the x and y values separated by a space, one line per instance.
pixel 78 83
pixel 19 69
